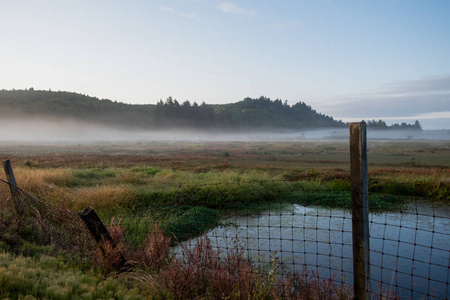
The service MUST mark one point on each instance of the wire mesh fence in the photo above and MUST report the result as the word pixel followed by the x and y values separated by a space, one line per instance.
pixel 410 250
pixel 41 221
pixel 280 228
pixel 306 227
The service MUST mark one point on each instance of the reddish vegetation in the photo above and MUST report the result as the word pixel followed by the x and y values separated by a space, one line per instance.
pixel 442 171
pixel 202 272
pixel 396 156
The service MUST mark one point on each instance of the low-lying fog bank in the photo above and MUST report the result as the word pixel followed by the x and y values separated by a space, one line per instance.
pixel 65 131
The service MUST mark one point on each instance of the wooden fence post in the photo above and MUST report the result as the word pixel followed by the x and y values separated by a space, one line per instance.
pixel 12 186
pixel 99 232
pixel 360 210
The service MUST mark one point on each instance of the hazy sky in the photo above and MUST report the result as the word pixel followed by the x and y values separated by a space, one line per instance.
pixel 352 60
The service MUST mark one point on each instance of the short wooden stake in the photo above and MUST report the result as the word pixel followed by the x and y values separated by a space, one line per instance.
pixel 99 232
pixel 360 210
pixel 12 186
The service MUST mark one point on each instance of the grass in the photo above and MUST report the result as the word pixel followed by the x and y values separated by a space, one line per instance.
pixel 190 222
pixel 46 277
pixel 114 190
pixel 161 166
pixel 93 174
pixel 180 223
pixel 125 192
pixel 184 188
pixel 201 272
pixel 103 197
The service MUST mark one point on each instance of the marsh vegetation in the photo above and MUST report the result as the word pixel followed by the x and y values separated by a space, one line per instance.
pixel 185 188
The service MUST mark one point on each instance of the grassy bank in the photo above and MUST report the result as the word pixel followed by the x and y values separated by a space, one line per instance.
pixel 155 194
pixel 152 272
pixel 160 194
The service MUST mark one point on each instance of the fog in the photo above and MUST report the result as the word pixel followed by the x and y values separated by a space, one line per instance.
pixel 73 131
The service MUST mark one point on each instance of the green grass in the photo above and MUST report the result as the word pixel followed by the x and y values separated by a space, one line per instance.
pixel 145 170
pixel 46 277
pixel 93 174
pixel 336 199
pixel 187 187
pixel 181 222
pixel 190 222
pixel 415 187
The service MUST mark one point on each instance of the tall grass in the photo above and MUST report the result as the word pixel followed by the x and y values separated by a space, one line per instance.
pixel 101 197
pixel 143 186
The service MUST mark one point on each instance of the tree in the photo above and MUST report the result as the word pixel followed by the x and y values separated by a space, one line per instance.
pixel 417 125
pixel 169 102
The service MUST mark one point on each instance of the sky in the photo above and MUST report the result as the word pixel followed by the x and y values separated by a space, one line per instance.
pixel 352 60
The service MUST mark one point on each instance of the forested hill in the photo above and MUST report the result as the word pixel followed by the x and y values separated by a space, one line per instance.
pixel 248 114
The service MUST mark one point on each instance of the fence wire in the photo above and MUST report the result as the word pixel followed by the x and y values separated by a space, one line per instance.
pixel 45 223
pixel 410 250
pixel 306 227
pixel 282 228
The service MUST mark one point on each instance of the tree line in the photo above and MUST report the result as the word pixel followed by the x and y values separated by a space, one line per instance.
pixel 248 114
pixel 380 124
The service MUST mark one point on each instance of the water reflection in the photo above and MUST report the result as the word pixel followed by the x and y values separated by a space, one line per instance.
pixel 409 250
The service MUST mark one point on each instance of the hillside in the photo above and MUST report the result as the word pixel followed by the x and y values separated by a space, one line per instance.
pixel 248 114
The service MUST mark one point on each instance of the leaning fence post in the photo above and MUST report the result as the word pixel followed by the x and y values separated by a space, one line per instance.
pixel 99 232
pixel 360 210
pixel 12 186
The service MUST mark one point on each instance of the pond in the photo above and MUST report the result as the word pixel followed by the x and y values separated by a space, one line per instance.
pixel 409 251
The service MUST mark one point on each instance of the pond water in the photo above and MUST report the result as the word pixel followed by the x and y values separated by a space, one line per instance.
pixel 409 251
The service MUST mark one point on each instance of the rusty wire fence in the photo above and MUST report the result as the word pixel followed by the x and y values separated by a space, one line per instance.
pixel 282 228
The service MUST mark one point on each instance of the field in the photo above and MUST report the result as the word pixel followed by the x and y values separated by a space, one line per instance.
pixel 264 158
pixel 126 178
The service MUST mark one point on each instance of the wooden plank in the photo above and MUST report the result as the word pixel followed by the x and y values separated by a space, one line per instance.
pixel 360 210
pixel 12 186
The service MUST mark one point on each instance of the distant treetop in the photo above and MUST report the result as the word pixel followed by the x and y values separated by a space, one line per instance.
pixel 382 125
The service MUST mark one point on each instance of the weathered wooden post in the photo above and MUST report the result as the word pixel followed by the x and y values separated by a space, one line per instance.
pixel 12 186
pixel 360 210
pixel 99 232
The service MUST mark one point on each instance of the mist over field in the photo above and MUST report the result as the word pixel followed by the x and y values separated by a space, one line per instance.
pixel 57 130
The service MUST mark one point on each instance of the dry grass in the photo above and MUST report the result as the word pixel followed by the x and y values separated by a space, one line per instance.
pixel 109 173
pixel 100 197
pixel 201 272
pixel 46 183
